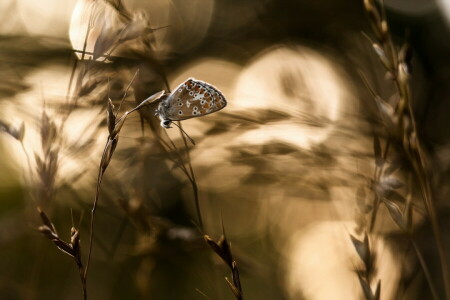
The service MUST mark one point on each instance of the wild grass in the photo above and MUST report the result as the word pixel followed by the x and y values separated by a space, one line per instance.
pixel 402 149
pixel 82 84
pixel 121 74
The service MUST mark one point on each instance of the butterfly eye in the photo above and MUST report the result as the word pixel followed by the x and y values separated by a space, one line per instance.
pixel 166 123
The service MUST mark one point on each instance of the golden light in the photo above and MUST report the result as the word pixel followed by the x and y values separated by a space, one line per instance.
pixel 48 87
pixel 321 263
pixel 47 17
pixel 298 81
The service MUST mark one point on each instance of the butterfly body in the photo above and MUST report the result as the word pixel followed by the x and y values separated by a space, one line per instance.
pixel 193 98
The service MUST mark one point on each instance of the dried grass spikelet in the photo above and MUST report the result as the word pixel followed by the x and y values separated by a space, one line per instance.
pixel 402 128
pixel 114 127
pixel 47 164
pixel 223 249
pixel 99 29
pixel 365 273
pixel 71 248
pixel 16 132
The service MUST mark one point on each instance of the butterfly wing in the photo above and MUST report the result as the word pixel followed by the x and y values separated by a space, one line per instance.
pixel 193 98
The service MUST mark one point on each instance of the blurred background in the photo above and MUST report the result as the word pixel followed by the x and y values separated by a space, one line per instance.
pixel 278 168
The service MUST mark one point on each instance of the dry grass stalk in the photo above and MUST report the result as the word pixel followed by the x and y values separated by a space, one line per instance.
pixel 136 27
pixel 47 166
pixel 365 274
pixel 223 249
pixel 17 133
pixel 363 249
pixel 191 176
pixel 174 154
pixel 71 248
pixel 114 127
pixel 46 170
pixel 401 128
pixel 43 188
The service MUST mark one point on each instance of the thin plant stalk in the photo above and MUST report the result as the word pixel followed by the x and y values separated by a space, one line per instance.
pixel 108 151
pixel 425 269
pixel 192 179
pixel 396 64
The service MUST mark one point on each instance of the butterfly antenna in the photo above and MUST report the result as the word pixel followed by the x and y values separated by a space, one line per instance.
pixel 184 132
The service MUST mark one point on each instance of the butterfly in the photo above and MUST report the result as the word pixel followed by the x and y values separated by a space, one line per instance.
pixel 193 98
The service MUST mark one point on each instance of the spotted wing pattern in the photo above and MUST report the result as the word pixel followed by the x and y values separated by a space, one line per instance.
pixel 193 98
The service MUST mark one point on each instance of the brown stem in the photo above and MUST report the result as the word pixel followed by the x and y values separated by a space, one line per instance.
pixel 83 279
pixel 431 210
pixel 101 171
pixel 413 149
pixel 192 180
pixel 425 270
